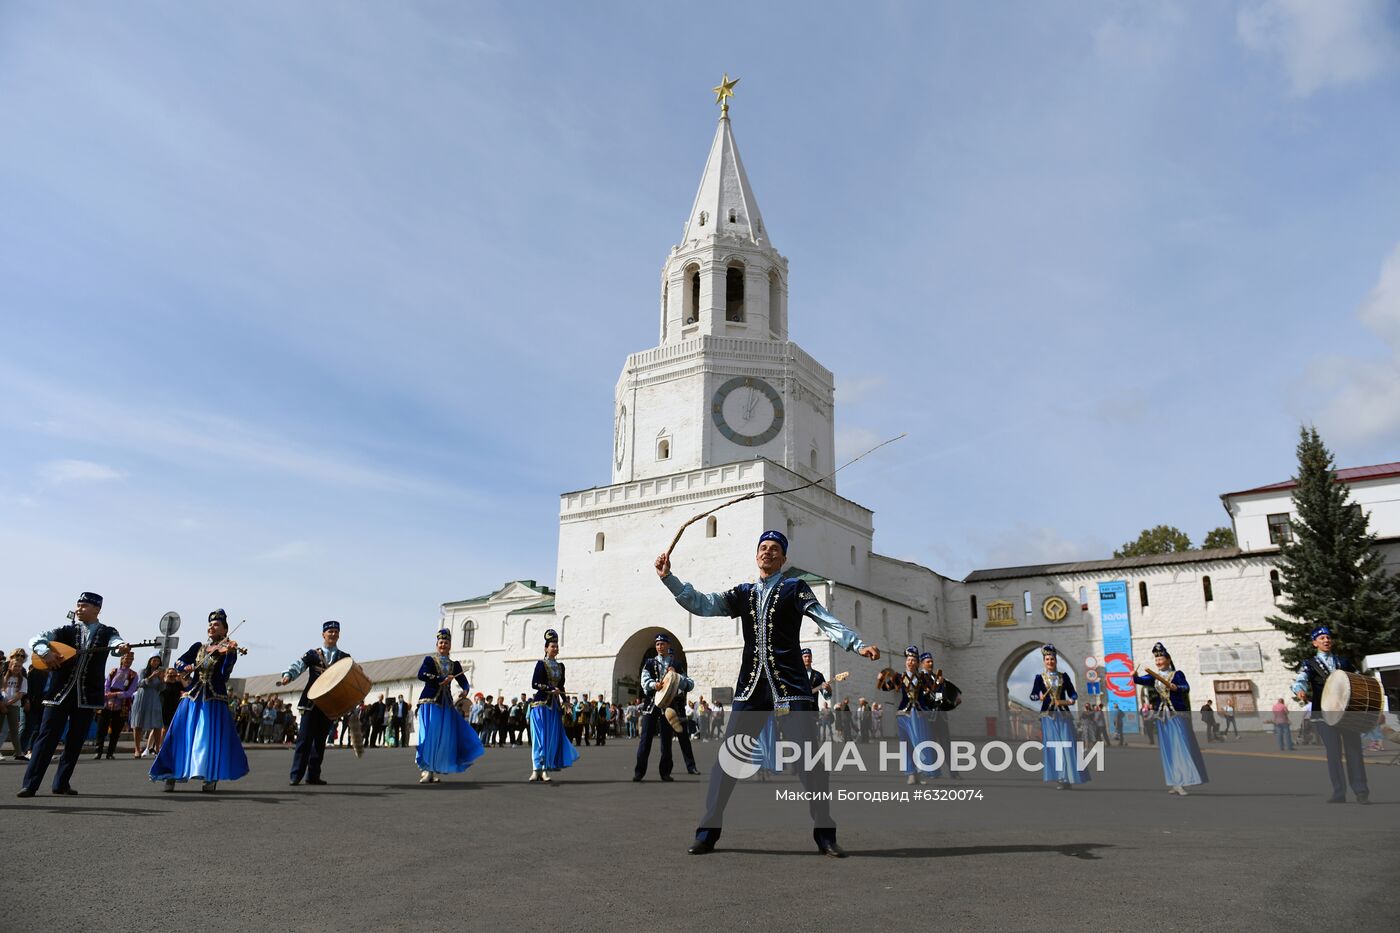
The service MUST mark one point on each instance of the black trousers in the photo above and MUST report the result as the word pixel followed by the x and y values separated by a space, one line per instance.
pixel 747 718
pixel 50 731
pixel 653 724
pixel 109 725
pixel 938 725
pixel 1337 741
pixel 311 745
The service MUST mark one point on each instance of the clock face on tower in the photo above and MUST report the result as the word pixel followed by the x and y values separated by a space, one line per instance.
pixel 748 411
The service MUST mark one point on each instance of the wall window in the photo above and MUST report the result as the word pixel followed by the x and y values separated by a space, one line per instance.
pixel 691 310
pixel 885 623
pixel 468 634
pixel 704 216
pixel 734 294
pixel 853 555
pixel 1275 583
pixel 598 541
pixel 1083 598
pixel 972 601
pixel 711 527
pixel 775 304
pixel 1206 590
pixel 663 448
pixel 1026 601
pixel 857 614
pixel 1142 594
pixel 1280 532
pixel 813 458
pixel 733 216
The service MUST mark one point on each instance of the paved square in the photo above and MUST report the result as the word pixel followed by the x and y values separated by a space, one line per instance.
pixel 1256 849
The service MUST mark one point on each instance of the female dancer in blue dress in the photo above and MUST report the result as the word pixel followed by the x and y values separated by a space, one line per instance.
pixel 914 731
pixel 1055 691
pixel 1170 696
pixel 550 748
pixel 202 741
pixel 447 744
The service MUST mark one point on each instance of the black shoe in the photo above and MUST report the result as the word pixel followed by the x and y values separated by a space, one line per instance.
pixel 97 757
pixel 1341 799
pixel 701 847
pixel 294 782
pixel 692 770
pixel 66 792
pixel 667 777
pixel 832 850
pixel 636 778
pixel 26 792
pixel 109 756
pixel 316 781
pixel 1363 797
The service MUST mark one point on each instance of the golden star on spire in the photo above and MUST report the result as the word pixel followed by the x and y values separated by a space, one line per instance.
pixel 724 92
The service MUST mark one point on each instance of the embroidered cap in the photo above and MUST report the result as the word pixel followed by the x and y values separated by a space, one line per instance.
pixel 912 652
pixel 445 633
pixel 1315 633
pixel 806 652
pixel 91 599
pixel 1048 649
pixel 926 656
pixel 777 536
pixel 1160 649
pixel 218 615
pixel 331 626
pixel 662 638
pixel 550 635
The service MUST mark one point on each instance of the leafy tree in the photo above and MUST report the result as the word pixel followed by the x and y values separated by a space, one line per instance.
pixel 1224 536
pixel 1331 572
pixel 1164 539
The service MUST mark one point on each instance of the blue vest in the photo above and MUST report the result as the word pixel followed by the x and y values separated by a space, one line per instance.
pixel 86 673
pixel 772 645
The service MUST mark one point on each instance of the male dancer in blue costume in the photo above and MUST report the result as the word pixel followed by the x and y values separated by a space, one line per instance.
pixel 315 726
pixel 771 675
pixel 73 695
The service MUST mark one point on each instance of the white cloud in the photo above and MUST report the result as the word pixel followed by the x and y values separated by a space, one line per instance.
pixel 852 389
pixel 287 551
pixel 1365 393
pixel 59 472
pixel 1139 36
pixel 1335 42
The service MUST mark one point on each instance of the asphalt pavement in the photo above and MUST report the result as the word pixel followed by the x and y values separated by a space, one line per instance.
pixel 1257 848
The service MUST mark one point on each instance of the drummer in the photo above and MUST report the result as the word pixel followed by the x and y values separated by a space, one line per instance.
pixel 315 726
pixel 1308 687
pixel 653 717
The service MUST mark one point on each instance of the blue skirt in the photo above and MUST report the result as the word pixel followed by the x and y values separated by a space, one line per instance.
pixel 447 743
pixel 1062 763
pixel 1182 763
pixel 550 748
pixel 914 730
pixel 768 746
pixel 202 744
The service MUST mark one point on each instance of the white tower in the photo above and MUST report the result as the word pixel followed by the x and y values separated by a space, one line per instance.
pixel 725 383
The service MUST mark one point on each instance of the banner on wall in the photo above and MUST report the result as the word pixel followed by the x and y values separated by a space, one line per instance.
pixel 1119 688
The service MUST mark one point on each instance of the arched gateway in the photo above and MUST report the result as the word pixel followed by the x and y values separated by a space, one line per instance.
pixel 627 667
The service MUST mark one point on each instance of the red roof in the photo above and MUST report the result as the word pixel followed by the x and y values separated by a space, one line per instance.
pixel 1349 475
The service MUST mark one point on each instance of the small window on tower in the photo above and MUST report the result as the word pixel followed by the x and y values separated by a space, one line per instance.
pixel 972 601
pixel 692 294
pixel 1275 583
pixel 704 216
pixel 1206 590
pixel 733 216
pixel 663 449
pixel 598 541
pixel 734 294
pixel 813 458
pixel 711 527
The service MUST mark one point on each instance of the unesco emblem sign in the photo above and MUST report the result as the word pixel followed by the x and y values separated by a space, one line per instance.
pixel 1055 609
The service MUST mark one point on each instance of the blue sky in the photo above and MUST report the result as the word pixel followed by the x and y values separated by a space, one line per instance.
pixel 311 310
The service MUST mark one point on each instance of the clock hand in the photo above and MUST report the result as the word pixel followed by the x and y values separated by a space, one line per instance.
pixel 753 402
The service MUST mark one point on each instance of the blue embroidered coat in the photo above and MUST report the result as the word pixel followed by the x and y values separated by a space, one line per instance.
pixel 434 690
pixel 549 675
pixel 912 687
pixel 210 672
pixel 1040 691
pixel 79 674
pixel 1180 697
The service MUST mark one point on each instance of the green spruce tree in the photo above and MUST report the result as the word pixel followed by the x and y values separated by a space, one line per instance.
pixel 1331 571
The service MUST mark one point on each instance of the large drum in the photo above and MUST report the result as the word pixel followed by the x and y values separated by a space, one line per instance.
pixel 1351 701
pixel 663 698
pixel 340 688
